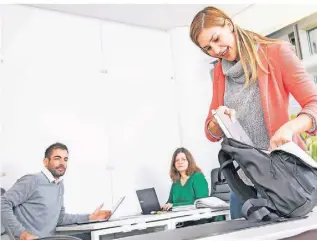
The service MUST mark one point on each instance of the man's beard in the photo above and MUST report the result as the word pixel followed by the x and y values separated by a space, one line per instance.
pixel 55 173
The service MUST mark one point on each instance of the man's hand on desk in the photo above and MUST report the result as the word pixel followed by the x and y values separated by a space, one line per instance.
pixel 27 236
pixel 99 214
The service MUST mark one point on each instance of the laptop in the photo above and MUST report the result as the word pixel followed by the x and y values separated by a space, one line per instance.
pixel 115 207
pixel 231 129
pixel 148 201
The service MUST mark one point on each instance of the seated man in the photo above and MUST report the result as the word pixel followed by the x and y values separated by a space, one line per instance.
pixel 34 206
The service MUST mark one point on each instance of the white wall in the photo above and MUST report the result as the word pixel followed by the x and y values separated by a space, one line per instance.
pixel 55 93
pixel 194 90
pixel 103 89
pixel 143 112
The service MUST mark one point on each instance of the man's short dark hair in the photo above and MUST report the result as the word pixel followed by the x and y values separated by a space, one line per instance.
pixel 54 146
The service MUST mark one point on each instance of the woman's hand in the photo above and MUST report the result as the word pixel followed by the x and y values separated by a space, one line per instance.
pixel 230 112
pixel 167 206
pixel 301 123
pixel 282 136
pixel 213 124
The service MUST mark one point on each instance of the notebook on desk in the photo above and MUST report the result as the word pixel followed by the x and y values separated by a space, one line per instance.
pixel 213 203
pixel 115 207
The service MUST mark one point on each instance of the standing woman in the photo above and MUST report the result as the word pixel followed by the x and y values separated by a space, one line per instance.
pixel 252 82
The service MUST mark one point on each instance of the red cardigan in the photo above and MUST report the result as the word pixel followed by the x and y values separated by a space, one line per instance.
pixel 287 75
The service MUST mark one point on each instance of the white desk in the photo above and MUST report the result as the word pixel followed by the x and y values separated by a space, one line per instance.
pixel 274 231
pixel 238 229
pixel 169 220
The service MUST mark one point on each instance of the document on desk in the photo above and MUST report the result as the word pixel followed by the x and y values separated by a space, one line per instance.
pixel 211 202
pixel 208 202
pixel 183 208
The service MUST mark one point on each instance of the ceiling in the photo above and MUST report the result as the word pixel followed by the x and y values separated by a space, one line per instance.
pixel 160 16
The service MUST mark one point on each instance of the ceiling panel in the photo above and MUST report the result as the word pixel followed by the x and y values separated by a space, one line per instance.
pixel 160 16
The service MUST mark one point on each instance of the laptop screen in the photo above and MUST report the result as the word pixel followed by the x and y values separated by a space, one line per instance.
pixel 148 200
pixel 113 210
pixel 115 207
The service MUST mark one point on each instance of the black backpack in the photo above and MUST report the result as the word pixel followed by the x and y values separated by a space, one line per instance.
pixel 284 183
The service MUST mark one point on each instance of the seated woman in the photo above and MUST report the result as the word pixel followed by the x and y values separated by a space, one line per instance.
pixel 189 183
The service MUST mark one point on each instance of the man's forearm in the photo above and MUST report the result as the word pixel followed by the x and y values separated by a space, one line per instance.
pixel 66 219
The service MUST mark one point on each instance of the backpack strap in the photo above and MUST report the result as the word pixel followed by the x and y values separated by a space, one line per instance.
pixel 259 209
pixel 243 191
pixel 222 166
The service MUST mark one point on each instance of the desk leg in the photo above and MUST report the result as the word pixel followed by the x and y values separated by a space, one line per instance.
pixel 94 235
pixel 171 225
pixel 228 217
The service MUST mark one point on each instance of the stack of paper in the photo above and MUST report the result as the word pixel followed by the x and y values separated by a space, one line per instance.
pixel 211 202
pixel 208 202
pixel 183 208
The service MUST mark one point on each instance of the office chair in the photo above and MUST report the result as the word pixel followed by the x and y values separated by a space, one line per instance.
pixel 222 190
pixel 2 228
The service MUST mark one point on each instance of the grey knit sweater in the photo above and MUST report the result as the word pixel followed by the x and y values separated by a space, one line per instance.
pixel 247 103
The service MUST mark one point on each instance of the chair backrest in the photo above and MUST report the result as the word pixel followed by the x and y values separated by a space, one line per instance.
pixel 2 228
pixel 221 191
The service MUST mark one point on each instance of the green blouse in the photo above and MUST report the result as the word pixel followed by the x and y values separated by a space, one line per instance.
pixel 195 187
